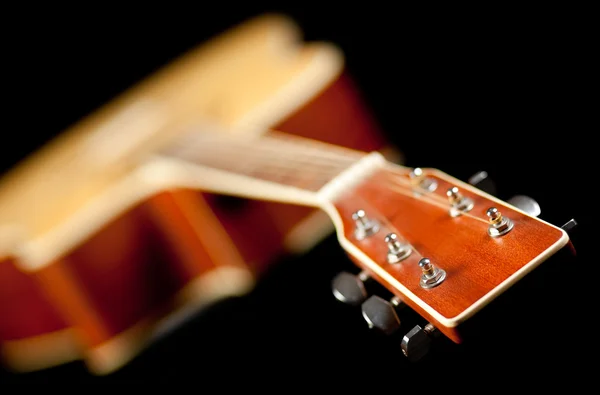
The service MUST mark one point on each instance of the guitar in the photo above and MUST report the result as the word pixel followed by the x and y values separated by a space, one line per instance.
pixel 95 266
pixel 400 230
pixel 441 247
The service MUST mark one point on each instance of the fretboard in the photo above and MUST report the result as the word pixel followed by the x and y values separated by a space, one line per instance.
pixel 273 166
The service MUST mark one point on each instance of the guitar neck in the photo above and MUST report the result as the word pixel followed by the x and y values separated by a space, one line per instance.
pixel 275 167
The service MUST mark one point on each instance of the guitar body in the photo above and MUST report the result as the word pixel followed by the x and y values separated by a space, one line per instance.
pixel 94 266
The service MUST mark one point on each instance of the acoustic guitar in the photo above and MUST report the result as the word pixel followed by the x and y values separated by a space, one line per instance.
pixel 125 226
pixel 440 246
pixel 96 263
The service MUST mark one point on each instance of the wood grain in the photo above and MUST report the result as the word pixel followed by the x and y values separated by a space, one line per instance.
pixel 478 267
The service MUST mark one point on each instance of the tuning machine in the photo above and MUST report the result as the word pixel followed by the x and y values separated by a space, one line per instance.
pixel 417 343
pixel 423 183
pixel 524 203
pixel 397 250
pixel 382 315
pixel 570 226
pixel 365 226
pixel 482 181
pixel 349 288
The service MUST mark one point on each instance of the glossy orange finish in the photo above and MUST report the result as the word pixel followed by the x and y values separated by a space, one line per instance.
pixel 116 278
pixel 25 311
pixel 478 266
pixel 134 268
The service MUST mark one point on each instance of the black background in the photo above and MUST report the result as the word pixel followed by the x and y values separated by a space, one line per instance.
pixel 509 91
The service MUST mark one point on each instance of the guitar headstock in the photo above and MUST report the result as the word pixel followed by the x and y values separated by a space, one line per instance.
pixel 443 247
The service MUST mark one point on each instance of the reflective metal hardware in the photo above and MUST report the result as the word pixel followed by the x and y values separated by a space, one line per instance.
pixel 364 226
pixel 483 182
pixel 431 276
pixel 381 315
pixel 417 342
pixel 397 251
pixel 526 204
pixel 499 225
pixel 350 289
pixel 459 203
pixel 425 183
pixel 569 226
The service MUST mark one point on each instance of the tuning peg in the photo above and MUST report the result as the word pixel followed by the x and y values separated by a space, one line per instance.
pixel 349 288
pixel 417 343
pixel 526 204
pixel 483 182
pixel 365 226
pixel 570 226
pixel 381 314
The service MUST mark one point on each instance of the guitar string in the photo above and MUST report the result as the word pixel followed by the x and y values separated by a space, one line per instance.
pixel 431 198
pixel 295 153
pixel 271 160
pixel 440 200
pixel 271 143
pixel 419 189
pixel 404 187
pixel 425 195
pixel 307 147
pixel 325 150
pixel 276 168
pixel 274 162
pixel 414 185
pixel 239 150
pixel 340 151
pixel 304 146
pixel 444 206
pixel 243 158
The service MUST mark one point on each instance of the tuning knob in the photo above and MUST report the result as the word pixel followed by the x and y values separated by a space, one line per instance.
pixel 483 182
pixel 381 314
pixel 417 343
pixel 570 226
pixel 526 204
pixel 350 288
